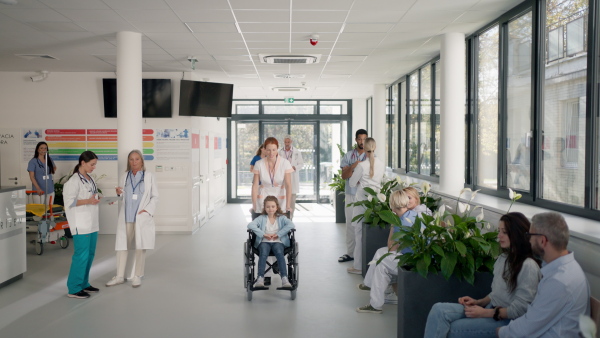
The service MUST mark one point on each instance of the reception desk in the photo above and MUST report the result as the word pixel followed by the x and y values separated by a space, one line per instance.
pixel 13 262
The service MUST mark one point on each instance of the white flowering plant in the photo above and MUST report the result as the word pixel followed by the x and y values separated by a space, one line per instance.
pixel 377 207
pixel 450 243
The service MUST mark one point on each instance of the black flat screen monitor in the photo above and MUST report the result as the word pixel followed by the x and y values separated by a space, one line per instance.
pixel 205 99
pixel 156 98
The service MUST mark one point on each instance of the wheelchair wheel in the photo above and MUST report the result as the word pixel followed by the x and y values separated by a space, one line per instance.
pixel 247 271
pixel 39 247
pixel 64 242
pixel 293 292
pixel 249 292
pixel 293 268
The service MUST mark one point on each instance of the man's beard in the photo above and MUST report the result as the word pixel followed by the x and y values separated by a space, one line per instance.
pixel 537 252
pixel 360 146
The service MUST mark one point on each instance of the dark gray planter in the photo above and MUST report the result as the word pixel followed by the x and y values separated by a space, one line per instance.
pixel 340 207
pixel 416 296
pixel 373 238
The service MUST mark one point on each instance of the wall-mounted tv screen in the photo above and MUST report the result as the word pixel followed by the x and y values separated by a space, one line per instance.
pixel 205 99
pixel 156 97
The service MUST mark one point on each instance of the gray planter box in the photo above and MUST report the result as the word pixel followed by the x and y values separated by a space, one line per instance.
pixel 373 238
pixel 340 207
pixel 416 296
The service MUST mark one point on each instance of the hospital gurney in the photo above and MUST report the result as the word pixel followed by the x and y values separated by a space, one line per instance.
pixel 48 222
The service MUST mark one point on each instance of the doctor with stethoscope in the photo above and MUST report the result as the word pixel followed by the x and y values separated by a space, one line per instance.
pixel 81 199
pixel 135 225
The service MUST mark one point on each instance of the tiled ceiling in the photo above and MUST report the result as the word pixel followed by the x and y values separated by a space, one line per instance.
pixel 361 42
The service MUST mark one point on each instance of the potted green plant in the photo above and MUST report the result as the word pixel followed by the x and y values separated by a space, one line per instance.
pixel 453 256
pixel 338 185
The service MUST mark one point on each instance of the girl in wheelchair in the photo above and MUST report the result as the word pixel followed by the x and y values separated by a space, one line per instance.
pixel 271 229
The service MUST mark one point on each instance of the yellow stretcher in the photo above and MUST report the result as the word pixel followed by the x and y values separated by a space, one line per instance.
pixel 48 222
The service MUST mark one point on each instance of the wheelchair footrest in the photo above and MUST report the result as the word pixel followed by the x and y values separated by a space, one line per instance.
pixel 267 281
pixel 287 289
pixel 259 288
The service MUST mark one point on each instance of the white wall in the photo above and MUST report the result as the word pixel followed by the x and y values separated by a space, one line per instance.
pixel 74 100
pixel 359 116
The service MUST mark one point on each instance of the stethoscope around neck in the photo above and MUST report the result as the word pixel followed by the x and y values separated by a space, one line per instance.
pixel 94 189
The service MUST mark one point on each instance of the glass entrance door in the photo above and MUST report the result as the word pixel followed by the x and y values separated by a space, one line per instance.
pixel 304 139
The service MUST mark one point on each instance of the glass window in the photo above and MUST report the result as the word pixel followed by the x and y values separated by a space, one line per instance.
pixel 576 36
pixel 437 126
pixel 369 122
pixel 425 123
pixel 413 122
pixel 299 107
pixel 518 104
pixel 247 146
pixel 402 123
pixel 245 107
pixel 333 107
pixel 394 122
pixel 555 44
pixel 563 121
pixel 487 112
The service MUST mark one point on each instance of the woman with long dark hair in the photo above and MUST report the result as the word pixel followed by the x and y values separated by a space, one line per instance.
pixel 81 205
pixel 41 168
pixel 516 276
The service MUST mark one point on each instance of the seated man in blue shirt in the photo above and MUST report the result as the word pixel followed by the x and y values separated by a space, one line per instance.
pixel 563 293
pixel 378 276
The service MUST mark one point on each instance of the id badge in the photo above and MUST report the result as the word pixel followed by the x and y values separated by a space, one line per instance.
pixel 45 177
pixel 134 197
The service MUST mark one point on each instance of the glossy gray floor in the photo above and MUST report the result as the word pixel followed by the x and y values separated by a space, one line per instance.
pixel 194 288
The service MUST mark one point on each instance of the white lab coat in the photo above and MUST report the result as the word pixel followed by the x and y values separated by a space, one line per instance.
pixel 144 223
pixel 82 219
pixel 296 161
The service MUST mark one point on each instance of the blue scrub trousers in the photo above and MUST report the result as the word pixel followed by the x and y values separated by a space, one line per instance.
pixel 83 256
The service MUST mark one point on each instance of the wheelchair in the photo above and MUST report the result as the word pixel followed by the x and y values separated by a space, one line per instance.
pixel 250 258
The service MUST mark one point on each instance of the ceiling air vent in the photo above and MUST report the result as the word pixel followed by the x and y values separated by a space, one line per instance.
pixel 289 59
pixel 289 76
pixel 36 56
pixel 288 89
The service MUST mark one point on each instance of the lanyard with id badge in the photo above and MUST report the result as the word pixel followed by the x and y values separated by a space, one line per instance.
pixel 134 196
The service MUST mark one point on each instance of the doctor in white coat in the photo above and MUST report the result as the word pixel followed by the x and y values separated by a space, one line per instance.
pixel 294 156
pixel 135 225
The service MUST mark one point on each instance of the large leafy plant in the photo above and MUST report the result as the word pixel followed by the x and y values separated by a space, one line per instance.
pixel 377 209
pixel 448 243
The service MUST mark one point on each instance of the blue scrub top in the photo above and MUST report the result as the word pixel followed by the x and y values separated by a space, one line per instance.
pixel 39 170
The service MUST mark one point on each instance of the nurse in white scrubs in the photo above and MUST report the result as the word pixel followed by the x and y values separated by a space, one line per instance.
pixel 272 177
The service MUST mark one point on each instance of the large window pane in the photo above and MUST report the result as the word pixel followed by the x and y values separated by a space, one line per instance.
pixel 245 107
pixel 563 145
pixel 394 127
pixel 330 157
pixel 402 119
pixel 518 103
pixel 425 125
pixel 333 107
pixel 247 145
pixel 299 107
pixel 437 126
pixel 413 123
pixel 487 113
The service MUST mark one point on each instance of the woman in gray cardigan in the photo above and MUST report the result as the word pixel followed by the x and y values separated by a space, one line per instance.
pixel 271 230
pixel 516 276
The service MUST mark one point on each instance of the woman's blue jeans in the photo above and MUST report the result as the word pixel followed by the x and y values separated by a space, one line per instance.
pixel 264 248
pixel 449 320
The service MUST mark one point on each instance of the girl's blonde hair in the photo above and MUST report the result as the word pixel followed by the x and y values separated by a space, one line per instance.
pixel 414 193
pixel 370 146
pixel 398 199
pixel 278 212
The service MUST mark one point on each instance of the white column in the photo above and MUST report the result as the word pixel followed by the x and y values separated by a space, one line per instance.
pixel 379 131
pixel 452 111
pixel 129 95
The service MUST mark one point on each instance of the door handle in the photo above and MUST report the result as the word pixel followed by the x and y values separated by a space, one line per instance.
pixel 13 179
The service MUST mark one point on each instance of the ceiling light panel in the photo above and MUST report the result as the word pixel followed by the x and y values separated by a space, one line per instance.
pixel 221 15
pixel 244 16
pixel 318 16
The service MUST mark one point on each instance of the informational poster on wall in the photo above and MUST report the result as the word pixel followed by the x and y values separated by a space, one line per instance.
pixel 172 144
pixel 68 144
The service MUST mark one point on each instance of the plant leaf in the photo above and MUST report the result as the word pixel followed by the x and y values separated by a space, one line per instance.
pixel 448 264
pixel 461 248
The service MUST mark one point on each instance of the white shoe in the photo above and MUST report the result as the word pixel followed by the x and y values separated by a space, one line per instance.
pixel 285 282
pixel 391 298
pixel 137 281
pixel 115 281
pixel 260 282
